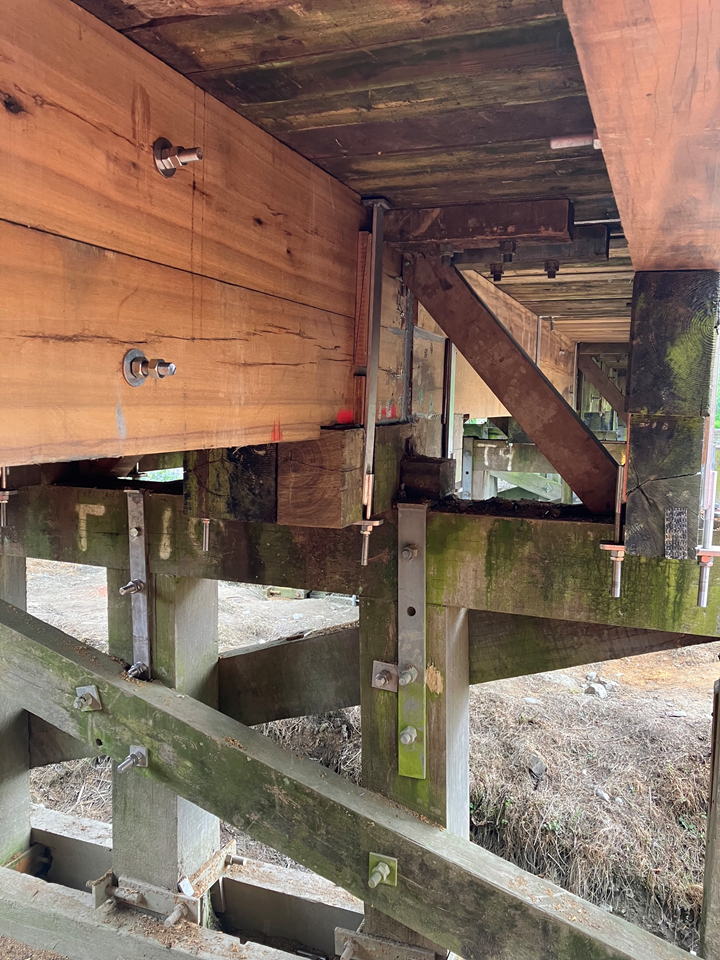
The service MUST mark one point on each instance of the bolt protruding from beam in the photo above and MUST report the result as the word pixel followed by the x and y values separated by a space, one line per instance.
pixel 496 271
pixel 408 736
pixel 380 873
pixel 551 268
pixel 138 670
pixel 133 586
pixel 179 913
pixel 348 950
pixel 137 757
pixel 383 678
pixel 85 700
pixel 409 552
pixel 407 676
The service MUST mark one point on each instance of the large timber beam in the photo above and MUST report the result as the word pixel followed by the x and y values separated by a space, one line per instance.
pixel 549 568
pixel 653 85
pixel 521 387
pixel 476 224
pixel 258 319
pixel 509 456
pixel 448 889
pixel 291 678
pixel 47 915
pixel 296 678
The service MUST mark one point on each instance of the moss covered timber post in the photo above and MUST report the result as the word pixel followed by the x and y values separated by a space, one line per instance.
pixel 14 747
pixel 670 393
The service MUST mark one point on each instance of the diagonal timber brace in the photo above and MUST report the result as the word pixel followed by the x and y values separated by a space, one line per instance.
pixel 448 889
pixel 552 424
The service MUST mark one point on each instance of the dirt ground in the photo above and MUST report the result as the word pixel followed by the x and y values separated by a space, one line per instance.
pixel 617 815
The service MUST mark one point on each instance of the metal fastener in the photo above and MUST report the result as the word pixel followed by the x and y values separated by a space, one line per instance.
pixel 137 368
pixel 496 271
pixel 409 552
pixel 168 158
pixel 138 671
pixel 382 679
pixel 133 586
pixel 206 535
pixel 408 736
pixel 551 268
pixel 137 757
pixel 179 913
pixel 87 698
pixel 382 869
pixel 508 249
pixel 407 676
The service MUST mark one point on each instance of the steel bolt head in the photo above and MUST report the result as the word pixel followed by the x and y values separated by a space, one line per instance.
pixel 409 552
pixel 134 532
pixel 408 736
pixel 381 679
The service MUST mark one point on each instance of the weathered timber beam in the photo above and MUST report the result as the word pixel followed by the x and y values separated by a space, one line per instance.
pixel 504 645
pixel 556 569
pixel 480 223
pixel 546 568
pixel 507 455
pixel 589 243
pixel 49 916
pixel 89 526
pixel 449 890
pixel 600 380
pixel 50 745
pixel 594 348
pixel 291 678
pixel 517 382
pixel 639 71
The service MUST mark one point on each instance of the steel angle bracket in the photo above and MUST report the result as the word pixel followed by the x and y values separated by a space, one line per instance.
pixel 412 641
pixel 140 598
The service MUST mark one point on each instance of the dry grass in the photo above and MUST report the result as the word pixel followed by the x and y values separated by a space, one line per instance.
pixel 640 853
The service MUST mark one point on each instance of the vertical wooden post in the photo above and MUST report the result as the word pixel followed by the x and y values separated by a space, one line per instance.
pixel 444 796
pixel 710 921
pixel 158 837
pixel 670 390
pixel 14 750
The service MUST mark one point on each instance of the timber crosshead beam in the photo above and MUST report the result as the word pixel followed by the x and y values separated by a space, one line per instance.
pixel 518 383
pixel 450 890
pixel 539 568
pixel 480 223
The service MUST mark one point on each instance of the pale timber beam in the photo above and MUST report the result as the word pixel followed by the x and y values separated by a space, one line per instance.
pixel 508 456
pixel 294 227
pixel 480 223
pixel 654 88
pixel 522 388
pixel 258 319
pixel 449 890
pixel 602 383
pixel 48 916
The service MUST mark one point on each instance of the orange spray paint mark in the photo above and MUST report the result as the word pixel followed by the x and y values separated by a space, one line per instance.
pixel 276 435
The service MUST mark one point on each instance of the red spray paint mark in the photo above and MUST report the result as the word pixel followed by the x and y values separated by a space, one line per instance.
pixel 383 413
pixel 276 435
pixel 345 416
pixel 393 412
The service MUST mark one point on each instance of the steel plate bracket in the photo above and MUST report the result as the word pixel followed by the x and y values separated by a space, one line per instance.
pixel 412 641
